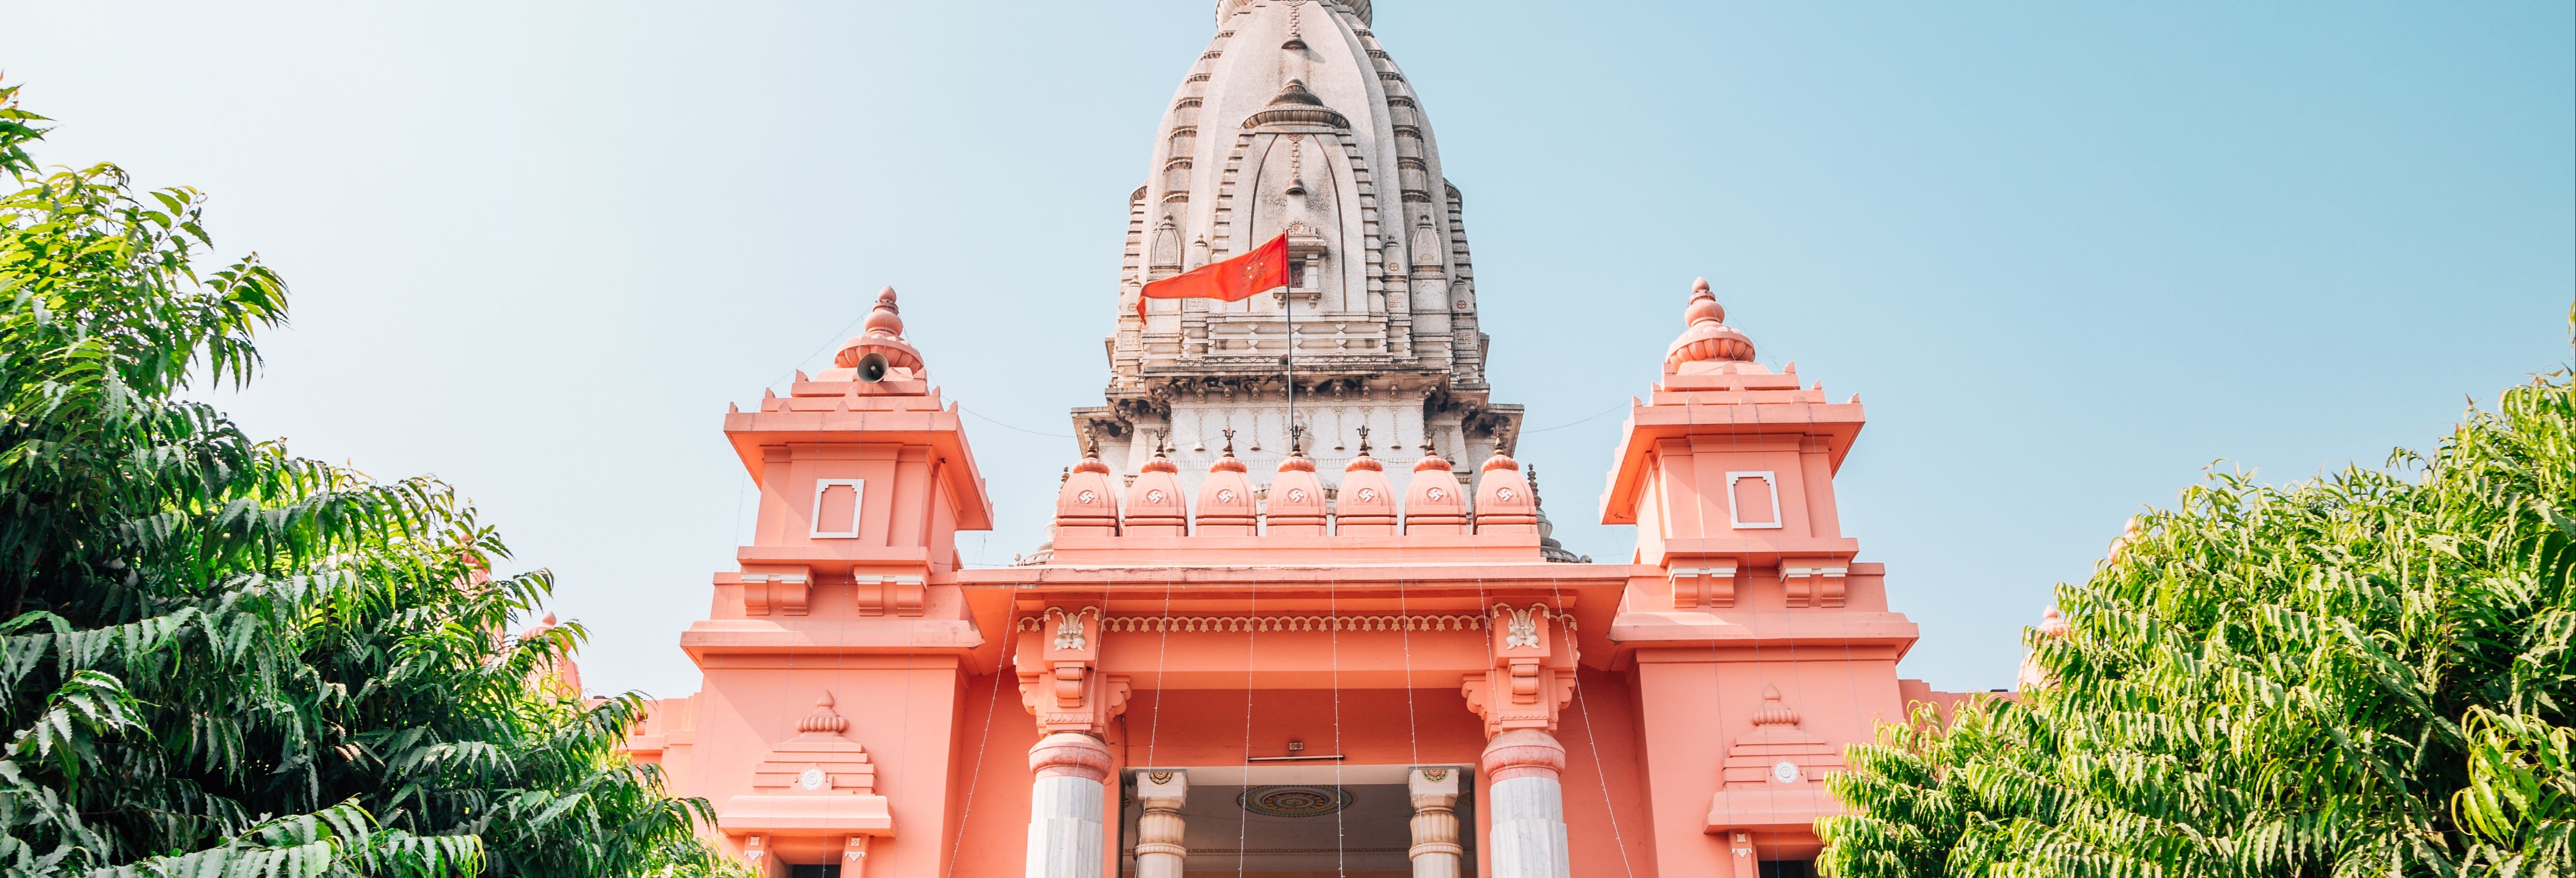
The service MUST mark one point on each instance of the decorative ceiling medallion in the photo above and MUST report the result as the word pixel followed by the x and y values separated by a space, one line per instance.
pixel 1294 801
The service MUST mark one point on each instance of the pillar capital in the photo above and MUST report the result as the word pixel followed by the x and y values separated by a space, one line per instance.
pixel 1523 753
pixel 1070 754
pixel 1434 782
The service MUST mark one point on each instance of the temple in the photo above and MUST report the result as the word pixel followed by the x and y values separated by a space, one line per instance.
pixel 1300 612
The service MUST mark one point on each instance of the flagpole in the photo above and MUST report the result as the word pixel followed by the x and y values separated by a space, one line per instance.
pixel 1291 362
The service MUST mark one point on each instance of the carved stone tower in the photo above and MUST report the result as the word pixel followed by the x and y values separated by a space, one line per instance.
pixel 1295 120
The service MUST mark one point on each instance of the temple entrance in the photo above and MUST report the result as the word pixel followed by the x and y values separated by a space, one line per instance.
pixel 1295 822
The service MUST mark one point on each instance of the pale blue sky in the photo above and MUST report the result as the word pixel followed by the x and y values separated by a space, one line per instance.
pixel 2068 254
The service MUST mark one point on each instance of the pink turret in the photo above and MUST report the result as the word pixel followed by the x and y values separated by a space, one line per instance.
pixel 1296 499
pixel 1226 508
pixel 1087 505
pixel 1154 504
pixel 1366 506
pixel 1504 502
pixel 849 585
pixel 1433 504
pixel 1727 470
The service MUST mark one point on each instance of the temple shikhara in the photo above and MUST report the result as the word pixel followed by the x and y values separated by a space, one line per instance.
pixel 1299 613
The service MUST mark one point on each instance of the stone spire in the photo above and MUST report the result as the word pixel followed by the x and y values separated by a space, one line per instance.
pixel 1295 121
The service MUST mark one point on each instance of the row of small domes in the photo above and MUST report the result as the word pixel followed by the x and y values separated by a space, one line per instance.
pixel 1433 503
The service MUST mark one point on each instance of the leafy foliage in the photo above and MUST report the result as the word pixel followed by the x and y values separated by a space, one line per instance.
pixel 2361 674
pixel 221 659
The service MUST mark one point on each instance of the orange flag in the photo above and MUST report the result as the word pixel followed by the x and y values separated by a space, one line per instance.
pixel 1233 280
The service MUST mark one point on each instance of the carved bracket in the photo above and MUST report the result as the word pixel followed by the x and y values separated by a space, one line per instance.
pixel 1530 679
pixel 1813 583
pixel 1711 586
pixel 779 588
pixel 896 594
pixel 1059 681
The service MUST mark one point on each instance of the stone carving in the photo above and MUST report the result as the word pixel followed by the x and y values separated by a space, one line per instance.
pixel 1068 627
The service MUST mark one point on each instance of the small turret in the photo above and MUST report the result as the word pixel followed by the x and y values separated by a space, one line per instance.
pixel 1505 504
pixel 1225 499
pixel 1154 504
pixel 1433 505
pixel 1366 505
pixel 1296 498
pixel 1087 505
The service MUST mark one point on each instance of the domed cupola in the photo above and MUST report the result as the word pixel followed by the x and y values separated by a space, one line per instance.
pixel 1087 505
pixel 1154 504
pixel 1296 498
pixel 878 352
pixel 1505 504
pixel 1433 504
pixel 1366 504
pixel 1708 339
pixel 1226 508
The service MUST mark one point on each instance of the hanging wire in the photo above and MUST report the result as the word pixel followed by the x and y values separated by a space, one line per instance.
pixel 1588 419
pixel 975 777
pixel 995 422
pixel 1591 733
pixel 1333 613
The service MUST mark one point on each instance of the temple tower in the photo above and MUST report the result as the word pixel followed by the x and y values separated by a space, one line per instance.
pixel 1296 120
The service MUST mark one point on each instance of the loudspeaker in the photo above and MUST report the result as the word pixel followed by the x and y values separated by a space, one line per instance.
pixel 872 368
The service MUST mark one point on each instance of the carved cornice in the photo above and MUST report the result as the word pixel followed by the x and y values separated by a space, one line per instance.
pixel 1297 114
pixel 1260 624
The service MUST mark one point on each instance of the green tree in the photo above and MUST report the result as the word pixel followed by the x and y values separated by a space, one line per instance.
pixel 222 659
pixel 2366 673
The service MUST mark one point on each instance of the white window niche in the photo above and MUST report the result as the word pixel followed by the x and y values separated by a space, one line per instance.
pixel 852 492
pixel 1735 500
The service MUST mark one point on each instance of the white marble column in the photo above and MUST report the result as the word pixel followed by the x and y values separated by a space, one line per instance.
pixel 1065 829
pixel 1436 852
pixel 1159 853
pixel 1527 805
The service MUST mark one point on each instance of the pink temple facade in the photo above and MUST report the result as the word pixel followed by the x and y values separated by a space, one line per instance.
pixel 1327 636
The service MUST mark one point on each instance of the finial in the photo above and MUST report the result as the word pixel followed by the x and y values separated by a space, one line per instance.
pixel 1707 336
pixel 1363 440
pixel 1229 441
pixel 1703 306
pixel 1158 442
pixel 881 334
pixel 1772 712
pixel 824 720
pixel 1296 440
pixel 886 319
